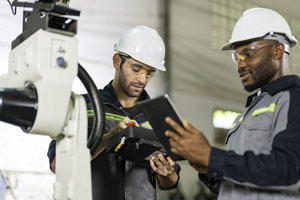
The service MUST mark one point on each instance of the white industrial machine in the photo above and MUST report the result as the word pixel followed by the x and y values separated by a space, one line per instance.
pixel 36 93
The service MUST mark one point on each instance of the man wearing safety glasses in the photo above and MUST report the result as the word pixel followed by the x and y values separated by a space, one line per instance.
pixel 139 53
pixel 262 160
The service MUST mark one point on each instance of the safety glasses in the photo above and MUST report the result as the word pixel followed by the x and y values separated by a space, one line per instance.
pixel 138 69
pixel 248 53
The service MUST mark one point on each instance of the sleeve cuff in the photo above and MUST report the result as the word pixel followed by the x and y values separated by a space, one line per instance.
pixel 216 163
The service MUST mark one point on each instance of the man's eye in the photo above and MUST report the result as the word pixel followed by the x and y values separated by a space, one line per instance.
pixel 248 54
pixel 135 69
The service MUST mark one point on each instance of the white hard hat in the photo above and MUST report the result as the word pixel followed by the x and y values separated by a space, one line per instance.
pixel 256 23
pixel 143 44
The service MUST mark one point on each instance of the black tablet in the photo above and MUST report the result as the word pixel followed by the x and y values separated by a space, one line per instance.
pixel 156 110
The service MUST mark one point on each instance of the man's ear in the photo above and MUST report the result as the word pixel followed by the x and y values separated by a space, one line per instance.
pixel 278 51
pixel 117 61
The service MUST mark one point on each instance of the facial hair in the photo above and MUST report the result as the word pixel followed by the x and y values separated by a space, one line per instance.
pixel 125 86
pixel 262 75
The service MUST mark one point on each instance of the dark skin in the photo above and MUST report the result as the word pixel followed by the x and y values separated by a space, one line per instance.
pixel 185 142
pixel 264 66
pixel 191 143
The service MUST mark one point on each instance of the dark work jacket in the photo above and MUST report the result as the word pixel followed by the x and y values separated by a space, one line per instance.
pixel 113 179
pixel 262 160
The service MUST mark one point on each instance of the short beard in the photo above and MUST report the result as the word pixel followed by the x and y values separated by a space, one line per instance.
pixel 263 75
pixel 123 84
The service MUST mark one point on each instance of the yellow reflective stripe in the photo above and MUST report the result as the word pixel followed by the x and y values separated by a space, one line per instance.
pixel 90 112
pixel 114 118
pixel 241 119
pixel 271 108
pixel 115 115
pixel 233 125
pixel 107 115
pixel 147 124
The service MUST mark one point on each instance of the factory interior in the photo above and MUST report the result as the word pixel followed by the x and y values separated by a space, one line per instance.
pixel 201 80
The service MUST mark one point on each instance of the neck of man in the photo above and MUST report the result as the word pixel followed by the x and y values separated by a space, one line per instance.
pixel 123 98
pixel 285 65
pixel 283 68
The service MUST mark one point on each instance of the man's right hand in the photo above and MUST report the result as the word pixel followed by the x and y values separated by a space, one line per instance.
pixel 189 143
pixel 122 125
pixel 119 127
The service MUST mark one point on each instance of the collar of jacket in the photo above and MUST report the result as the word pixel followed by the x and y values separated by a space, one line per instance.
pixel 276 86
pixel 109 95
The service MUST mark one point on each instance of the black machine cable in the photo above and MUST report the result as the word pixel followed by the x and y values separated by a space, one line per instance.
pixel 95 136
pixel 13 10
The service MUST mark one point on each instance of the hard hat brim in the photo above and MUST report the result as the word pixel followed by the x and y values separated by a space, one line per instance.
pixel 226 47
pixel 233 45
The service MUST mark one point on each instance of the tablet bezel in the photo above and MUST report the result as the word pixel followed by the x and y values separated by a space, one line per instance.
pixel 156 110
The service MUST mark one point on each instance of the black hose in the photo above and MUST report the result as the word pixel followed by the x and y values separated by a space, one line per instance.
pixel 96 134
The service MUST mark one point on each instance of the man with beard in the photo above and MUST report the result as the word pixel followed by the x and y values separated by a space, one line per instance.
pixel 262 160
pixel 139 53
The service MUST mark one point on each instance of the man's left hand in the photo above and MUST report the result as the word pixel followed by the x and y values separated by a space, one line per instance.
pixel 161 165
pixel 165 168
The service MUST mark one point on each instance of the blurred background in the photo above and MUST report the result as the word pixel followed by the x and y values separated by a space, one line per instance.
pixel 201 80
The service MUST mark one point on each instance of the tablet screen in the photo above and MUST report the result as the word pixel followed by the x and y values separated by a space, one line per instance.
pixel 156 110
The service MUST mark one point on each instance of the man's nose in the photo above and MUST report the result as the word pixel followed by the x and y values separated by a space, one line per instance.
pixel 142 77
pixel 241 65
